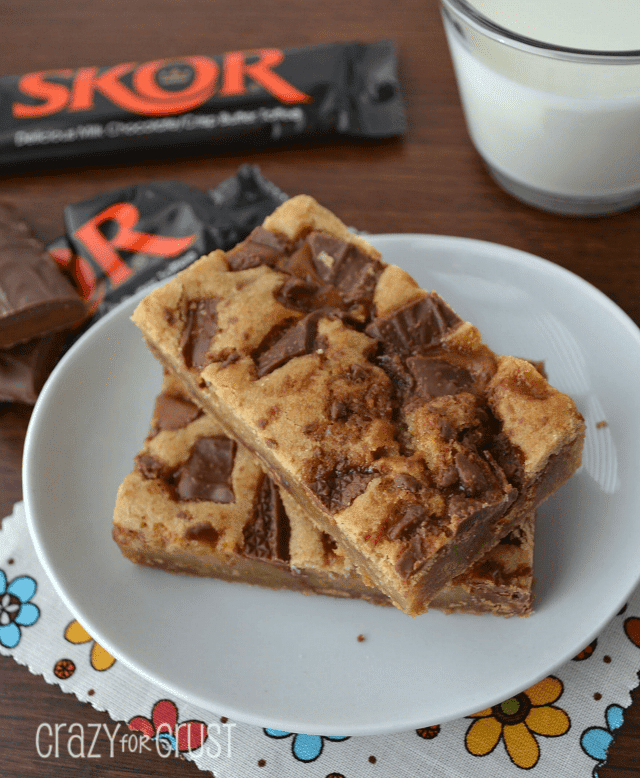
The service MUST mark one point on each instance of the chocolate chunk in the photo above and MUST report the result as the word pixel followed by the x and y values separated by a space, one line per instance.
pixel 300 264
pixel 260 248
pixel 471 472
pixel 329 273
pixel 306 295
pixel 345 266
pixel 296 293
pixel 412 517
pixel 471 509
pixel 473 438
pixel 415 327
pixel 508 458
pixel 35 297
pixel 414 524
pixel 150 467
pixel 173 413
pixel 436 377
pixel 328 255
pixel 202 532
pixel 494 572
pixel 293 342
pixel 25 367
pixel 478 472
pixel 305 289
pixel 339 487
pixel 412 559
pixel 446 430
pixel 267 533
pixel 407 482
pixel 200 327
pixel 206 475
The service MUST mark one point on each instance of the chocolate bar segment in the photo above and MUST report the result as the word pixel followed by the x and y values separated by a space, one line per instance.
pixel 263 537
pixel 173 412
pixel 198 332
pixel 267 532
pixel 25 367
pixel 389 383
pixel 206 475
pixel 35 298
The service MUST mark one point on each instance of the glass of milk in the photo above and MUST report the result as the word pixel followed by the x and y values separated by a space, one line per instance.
pixel 551 96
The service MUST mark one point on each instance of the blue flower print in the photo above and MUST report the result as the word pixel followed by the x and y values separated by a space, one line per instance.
pixel 169 742
pixel 595 741
pixel 305 748
pixel 15 609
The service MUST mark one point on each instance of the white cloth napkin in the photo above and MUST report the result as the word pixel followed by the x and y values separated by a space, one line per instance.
pixel 562 726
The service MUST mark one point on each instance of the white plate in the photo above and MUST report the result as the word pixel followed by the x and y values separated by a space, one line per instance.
pixel 283 660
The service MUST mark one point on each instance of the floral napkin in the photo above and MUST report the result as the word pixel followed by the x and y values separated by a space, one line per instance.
pixel 563 725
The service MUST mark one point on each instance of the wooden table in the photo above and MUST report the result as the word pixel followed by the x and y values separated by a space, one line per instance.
pixel 431 181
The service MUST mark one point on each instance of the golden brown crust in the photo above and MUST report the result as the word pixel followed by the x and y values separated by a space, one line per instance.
pixel 301 214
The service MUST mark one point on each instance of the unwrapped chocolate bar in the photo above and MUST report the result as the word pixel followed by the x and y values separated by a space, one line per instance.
pixel 26 366
pixel 35 297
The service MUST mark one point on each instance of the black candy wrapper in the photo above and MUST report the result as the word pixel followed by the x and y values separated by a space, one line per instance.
pixel 200 104
pixel 122 241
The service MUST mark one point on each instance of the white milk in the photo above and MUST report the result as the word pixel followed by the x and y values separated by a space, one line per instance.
pixel 568 128
pixel 599 25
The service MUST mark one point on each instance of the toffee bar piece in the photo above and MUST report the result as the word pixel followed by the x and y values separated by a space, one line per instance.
pixel 199 504
pixel 35 297
pixel 26 366
pixel 383 413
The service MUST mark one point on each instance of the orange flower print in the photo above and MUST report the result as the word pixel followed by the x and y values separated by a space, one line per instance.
pixel 517 721
pixel 101 659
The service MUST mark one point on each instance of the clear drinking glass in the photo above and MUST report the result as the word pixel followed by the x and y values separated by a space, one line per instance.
pixel 558 128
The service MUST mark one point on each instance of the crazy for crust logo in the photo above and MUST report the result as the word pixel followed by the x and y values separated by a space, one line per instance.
pixel 157 88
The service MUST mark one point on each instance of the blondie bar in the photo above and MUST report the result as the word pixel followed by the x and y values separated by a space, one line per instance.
pixel 196 503
pixel 384 415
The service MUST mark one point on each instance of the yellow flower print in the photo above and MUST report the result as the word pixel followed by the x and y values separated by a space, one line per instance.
pixel 101 659
pixel 517 721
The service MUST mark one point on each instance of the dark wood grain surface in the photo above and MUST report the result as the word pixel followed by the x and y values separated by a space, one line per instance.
pixel 431 181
